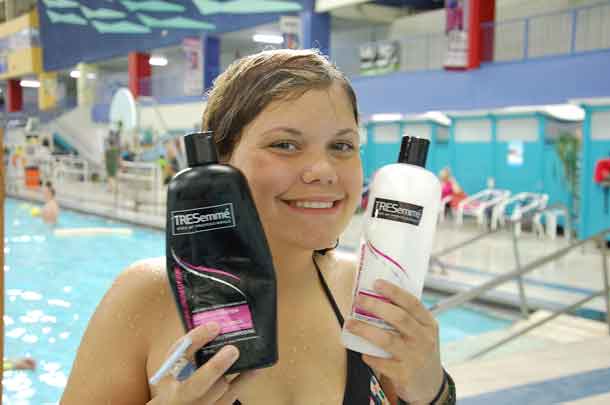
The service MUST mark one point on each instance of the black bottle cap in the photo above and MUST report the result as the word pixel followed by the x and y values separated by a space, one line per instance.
pixel 413 151
pixel 200 149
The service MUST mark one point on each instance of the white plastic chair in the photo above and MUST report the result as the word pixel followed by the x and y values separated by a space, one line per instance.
pixel 444 202
pixel 522 203
pixel 550 219
pixel 477 205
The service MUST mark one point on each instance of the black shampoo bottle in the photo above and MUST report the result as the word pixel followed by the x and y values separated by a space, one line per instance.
pixel 218 261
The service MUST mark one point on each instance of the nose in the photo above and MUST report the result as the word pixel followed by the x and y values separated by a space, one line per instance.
pixel 320 171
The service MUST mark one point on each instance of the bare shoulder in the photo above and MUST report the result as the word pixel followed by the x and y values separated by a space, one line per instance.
pixel 110 365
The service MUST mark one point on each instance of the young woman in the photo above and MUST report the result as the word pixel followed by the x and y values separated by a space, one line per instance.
pixel 289 121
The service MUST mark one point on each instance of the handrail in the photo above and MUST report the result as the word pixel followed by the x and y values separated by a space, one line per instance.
pixel 477 292
pixel 517 274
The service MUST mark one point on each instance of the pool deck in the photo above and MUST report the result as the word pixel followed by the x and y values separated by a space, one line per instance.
pixel 559 363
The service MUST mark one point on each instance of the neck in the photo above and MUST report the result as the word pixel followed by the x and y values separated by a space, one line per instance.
pixel 293 268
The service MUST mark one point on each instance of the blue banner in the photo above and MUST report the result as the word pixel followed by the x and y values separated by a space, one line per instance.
pixel 73 31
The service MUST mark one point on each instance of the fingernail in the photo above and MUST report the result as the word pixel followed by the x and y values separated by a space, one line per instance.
pixel 378 285
pixel 213 328
pixel 229 353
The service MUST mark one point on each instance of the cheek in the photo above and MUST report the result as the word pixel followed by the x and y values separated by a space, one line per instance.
pixel 352 179
pixel 267 180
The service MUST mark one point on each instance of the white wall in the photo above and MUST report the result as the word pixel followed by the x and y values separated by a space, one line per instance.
pixel 178 117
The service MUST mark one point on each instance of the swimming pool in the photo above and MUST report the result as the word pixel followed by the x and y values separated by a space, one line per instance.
pixel 52 285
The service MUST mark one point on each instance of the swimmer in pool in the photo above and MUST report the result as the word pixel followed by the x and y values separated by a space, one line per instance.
pixel 50 210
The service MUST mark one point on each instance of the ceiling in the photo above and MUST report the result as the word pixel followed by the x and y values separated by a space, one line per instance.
pixel 373 13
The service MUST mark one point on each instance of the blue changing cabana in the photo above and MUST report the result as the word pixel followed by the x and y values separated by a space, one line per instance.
pixel 383 137
pixel 536 150
pixel 595 190
pixel 435 128
pixel 471 149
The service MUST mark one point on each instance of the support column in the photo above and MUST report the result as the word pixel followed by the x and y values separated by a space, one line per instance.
pixel 47 92
pixel 85 84
pixel 488 17
pixel 14 95
pixel 479 12
pixel 315 28
pixel 211 59
pixel 140 74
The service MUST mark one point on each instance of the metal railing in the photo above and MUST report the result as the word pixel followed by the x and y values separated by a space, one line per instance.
pixel 139 182
pixel 517 275
pixel 70 169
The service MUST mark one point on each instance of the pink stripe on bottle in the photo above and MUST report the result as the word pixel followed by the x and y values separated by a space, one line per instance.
pixel 373 295
pixel 388 258
pixel 230 319
pixel 182 297
pixel 209 270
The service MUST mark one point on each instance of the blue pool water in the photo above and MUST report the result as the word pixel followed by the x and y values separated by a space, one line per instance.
pixel 52 285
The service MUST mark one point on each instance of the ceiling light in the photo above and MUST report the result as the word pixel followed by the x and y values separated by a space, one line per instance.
pixel 268 38
pixel 75 74
pixel 91 76
pixel 30 83
pixel 157 61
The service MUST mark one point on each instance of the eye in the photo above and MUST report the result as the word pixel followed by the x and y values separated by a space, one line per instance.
pixel 285 146
pixel 343 146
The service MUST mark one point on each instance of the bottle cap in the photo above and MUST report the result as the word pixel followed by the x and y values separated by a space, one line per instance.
pixel 200 149
pixel 413 151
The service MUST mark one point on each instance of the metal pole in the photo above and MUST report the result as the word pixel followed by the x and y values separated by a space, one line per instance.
pixel 526 35
pixel 523 300
pixel 574 26
pixel 1 258
pixel 549 318
pixel 604 252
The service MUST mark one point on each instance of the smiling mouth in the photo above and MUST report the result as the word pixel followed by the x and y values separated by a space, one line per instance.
pixel 312 204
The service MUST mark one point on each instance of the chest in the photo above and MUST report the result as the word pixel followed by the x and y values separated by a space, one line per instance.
pixel 312 366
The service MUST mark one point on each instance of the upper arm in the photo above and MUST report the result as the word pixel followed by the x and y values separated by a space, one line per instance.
pixel 110 365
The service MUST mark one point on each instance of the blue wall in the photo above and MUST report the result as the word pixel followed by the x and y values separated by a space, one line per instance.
pixel 549 80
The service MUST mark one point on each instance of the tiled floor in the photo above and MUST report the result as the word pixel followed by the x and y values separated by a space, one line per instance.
pixel 554 370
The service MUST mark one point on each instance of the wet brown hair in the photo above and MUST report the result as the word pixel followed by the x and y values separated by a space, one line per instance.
pixel 251 83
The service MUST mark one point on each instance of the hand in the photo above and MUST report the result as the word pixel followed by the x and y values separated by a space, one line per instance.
pixel 207 385
pixel 414 366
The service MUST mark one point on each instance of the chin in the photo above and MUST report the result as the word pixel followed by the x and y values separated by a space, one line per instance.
pixel 316 242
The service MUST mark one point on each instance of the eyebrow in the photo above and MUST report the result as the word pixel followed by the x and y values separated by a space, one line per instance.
pixel 296 132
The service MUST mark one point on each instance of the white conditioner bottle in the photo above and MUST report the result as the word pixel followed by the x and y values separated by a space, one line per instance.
pixel 398 232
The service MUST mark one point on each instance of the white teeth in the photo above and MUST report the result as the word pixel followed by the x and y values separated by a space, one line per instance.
pixel 313 204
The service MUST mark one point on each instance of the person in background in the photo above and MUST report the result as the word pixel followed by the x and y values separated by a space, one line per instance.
pixel 50 209
pixel 112 155
pixel 22 363
pixel 447 185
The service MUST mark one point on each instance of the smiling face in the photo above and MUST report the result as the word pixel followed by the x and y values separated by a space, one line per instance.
pixel 301 158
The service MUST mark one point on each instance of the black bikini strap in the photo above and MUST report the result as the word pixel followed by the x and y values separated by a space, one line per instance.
pixel 329 295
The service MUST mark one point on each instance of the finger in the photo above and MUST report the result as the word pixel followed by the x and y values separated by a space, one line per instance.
pixel 390 341
pixel 396 316
pixel 215 393
pixel 237 387
pixel 200 336
pixel 208 374
pixel 388 367
pixel 406 301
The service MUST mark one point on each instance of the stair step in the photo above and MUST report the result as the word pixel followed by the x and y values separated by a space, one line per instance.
pixel 561 330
